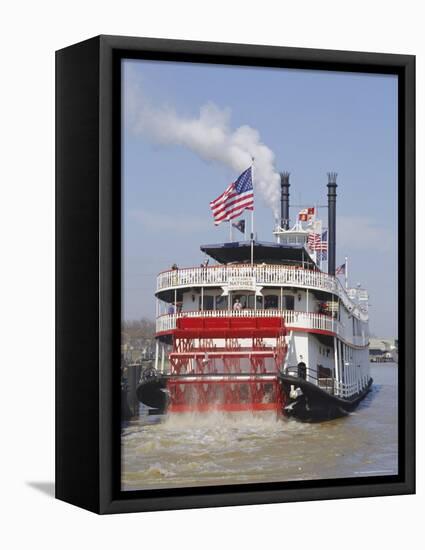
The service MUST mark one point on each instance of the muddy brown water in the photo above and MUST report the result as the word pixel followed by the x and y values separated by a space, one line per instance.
pixel 184 450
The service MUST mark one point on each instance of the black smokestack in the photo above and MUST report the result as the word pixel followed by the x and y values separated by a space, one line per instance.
pixel 331 221
pixel 284 200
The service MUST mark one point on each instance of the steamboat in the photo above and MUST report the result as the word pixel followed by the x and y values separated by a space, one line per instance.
pixel 261 326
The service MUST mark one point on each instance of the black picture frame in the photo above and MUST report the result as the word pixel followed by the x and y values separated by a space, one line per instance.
pixel 88 270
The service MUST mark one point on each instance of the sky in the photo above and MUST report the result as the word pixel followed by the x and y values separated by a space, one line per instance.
pixel 305 122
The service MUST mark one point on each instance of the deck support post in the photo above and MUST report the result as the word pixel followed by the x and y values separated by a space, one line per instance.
pixel 156 354
pixel 337 374
pixel 162 358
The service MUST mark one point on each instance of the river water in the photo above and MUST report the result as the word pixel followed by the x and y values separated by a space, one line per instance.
pixel 198 449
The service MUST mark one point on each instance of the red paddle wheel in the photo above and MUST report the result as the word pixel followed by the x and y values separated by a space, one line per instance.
pixel 226 364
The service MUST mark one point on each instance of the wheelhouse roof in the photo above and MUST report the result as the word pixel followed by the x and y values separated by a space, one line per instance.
pixel 264 252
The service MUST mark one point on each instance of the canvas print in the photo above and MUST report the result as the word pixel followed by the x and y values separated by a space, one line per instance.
pixel 259 334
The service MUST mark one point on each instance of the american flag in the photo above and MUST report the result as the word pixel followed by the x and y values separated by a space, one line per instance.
pixel 313 241
pixel 236 198
pixel 318 242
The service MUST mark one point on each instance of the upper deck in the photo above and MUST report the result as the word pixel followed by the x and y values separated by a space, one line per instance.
pixel 279 253
pixel 246 277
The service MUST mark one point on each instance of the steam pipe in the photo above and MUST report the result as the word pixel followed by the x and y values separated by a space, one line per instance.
pixel 284 200
pixel 331 221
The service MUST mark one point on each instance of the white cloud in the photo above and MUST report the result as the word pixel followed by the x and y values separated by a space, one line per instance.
pixel 207 133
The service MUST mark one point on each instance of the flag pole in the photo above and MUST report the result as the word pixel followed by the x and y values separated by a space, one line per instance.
pixel 315 226
pixel 252 238
pixel 252 217
pixel 346 273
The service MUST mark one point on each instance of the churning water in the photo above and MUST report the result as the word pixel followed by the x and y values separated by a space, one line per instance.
pixel 185 450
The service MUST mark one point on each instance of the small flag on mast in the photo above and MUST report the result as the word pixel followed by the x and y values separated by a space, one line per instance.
pixel 324 241
pixel 313 240
pixel 307 214
pixel 318 242
pixel 238 196
pixel 322 254
pixel 340 270
pixel 240 226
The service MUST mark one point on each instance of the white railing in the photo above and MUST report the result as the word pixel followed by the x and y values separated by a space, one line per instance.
pixel 293 319
pixel 341 389
pixel 260 275
pixel 345 389
pixel 296 319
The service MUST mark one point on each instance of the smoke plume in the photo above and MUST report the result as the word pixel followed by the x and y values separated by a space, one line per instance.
pixel 210 136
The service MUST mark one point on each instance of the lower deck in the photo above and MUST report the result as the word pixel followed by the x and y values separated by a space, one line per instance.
pixel 321 359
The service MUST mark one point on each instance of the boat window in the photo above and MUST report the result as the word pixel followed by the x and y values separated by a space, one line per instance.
pixel 244 300
pixel 221 302
pixel 241 298
pixel 288 302
pixel 208 303
pixel 250 301
pixel 323 372
pixel 271 302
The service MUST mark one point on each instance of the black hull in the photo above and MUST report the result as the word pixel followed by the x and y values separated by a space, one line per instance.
pixel 313 405
pixel 316 404
pixel 152 392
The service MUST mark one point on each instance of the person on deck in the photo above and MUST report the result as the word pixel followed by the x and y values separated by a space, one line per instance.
pixel 302 368
pixel 237 306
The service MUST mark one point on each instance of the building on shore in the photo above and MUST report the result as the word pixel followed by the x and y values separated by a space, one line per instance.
pixel 383 349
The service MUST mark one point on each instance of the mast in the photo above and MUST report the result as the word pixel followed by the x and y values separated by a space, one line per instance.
pixel 331 221
pixel 346 272
pixel 284 200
